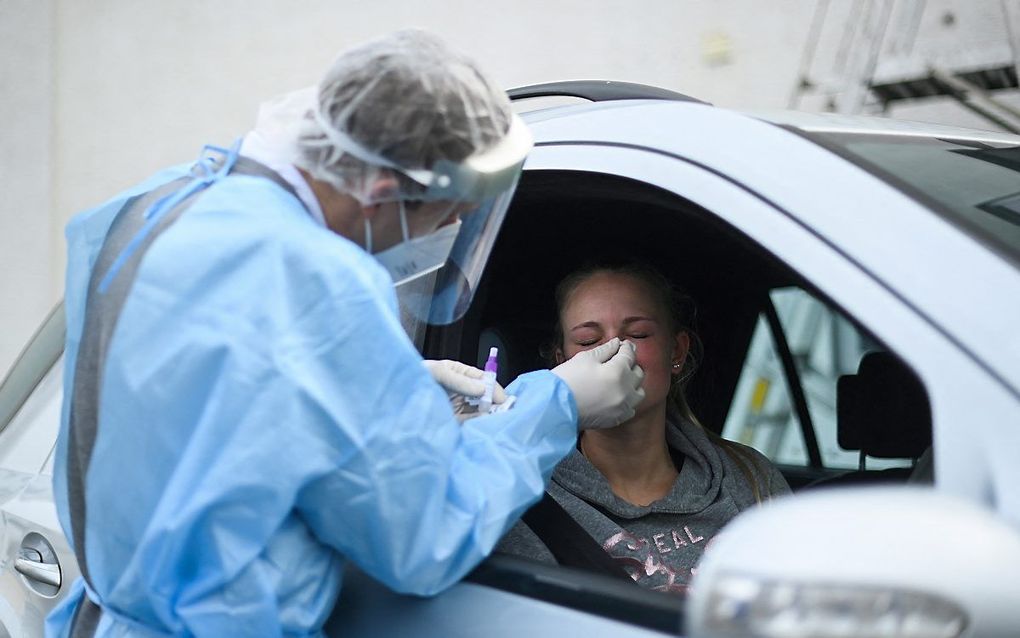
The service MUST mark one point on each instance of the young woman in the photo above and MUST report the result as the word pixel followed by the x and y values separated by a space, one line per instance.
pixel 654 491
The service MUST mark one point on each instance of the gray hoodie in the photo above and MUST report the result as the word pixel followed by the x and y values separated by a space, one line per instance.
pixel 660 544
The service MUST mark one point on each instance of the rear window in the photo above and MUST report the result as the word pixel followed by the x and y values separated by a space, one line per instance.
pixel 974 184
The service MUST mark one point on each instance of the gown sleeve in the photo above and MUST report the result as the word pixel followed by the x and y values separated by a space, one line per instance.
pixel 397 485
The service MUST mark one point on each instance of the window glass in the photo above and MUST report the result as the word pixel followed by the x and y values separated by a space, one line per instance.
pixel 976 184
pixel 762 414
pixel 825 346
pixel 27 440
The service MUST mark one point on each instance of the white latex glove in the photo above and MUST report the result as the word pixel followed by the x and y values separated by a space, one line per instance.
pixel 462 382
pixel 606 384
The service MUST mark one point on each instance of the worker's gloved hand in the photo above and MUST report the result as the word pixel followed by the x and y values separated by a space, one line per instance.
pixel 462 382
pixel 606 383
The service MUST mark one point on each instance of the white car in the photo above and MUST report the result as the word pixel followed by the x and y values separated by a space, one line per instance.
pixel 858 284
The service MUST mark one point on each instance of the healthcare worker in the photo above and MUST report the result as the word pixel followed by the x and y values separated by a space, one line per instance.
pixel 244 410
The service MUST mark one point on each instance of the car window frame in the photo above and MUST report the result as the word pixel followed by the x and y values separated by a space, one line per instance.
pixel 799 474
pixel 794 385
pixel 962 385
pixel 33 363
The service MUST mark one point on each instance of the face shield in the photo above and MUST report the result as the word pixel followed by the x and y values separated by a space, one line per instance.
pixel 436 274
pixel 481 187
pixel 408 106
pixel 440 295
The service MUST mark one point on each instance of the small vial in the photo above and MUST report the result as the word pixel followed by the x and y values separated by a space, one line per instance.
pixel 489 379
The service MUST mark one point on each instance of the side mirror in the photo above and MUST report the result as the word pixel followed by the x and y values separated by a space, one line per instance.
pixel 892 562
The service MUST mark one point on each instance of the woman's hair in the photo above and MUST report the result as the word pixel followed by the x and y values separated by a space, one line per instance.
pixel 681 314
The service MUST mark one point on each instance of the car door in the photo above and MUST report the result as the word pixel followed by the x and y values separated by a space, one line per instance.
pixel 786 402
pixel 855 293
pixel 36 566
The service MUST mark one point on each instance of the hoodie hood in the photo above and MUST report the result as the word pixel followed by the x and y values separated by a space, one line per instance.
pixel 696 487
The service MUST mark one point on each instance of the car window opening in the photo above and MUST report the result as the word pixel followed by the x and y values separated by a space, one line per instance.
pixel 566 216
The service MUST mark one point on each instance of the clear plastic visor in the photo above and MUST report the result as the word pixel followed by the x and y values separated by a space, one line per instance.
pixel 484 175
pixel 443 295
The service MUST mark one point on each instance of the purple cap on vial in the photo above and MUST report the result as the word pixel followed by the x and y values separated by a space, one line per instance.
pixel 490 364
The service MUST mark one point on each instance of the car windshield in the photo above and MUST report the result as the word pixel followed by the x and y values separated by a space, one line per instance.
pixel 974 184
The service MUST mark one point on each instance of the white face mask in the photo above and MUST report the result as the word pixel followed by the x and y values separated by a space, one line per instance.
pixel 416 256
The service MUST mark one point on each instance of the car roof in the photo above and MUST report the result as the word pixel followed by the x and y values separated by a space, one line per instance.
pixel 863 124
pixel 802 121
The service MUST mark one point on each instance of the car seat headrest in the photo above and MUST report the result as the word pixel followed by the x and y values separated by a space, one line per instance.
pixel 883 410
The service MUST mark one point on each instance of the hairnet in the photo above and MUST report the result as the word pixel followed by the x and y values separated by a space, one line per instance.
pixel 391 106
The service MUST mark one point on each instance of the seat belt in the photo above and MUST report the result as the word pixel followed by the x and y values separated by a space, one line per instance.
pixel 570 544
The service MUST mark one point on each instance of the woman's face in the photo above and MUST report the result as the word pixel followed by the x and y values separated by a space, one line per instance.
pixel 608 305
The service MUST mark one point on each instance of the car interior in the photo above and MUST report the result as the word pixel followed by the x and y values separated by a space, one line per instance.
pixel 561 220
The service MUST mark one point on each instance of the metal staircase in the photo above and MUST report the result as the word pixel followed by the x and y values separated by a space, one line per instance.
pixel 864 56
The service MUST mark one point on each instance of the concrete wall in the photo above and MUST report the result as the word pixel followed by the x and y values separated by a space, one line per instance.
pixel 99 94
pixel 28 283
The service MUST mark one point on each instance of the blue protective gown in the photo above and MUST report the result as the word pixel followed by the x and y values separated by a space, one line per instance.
pixel 263 418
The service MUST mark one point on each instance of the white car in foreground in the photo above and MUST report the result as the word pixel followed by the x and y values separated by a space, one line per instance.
pixel 858 283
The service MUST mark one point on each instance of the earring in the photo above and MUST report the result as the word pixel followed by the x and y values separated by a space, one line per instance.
pixel 676 366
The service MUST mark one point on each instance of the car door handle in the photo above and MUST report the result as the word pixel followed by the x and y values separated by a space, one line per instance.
pixel 34 569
